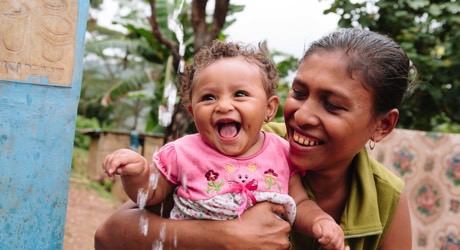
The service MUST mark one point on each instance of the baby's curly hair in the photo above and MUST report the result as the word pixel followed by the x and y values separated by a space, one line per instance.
pixel 221 49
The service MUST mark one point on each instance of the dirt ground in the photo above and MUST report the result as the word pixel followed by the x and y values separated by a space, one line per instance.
pixel 86 210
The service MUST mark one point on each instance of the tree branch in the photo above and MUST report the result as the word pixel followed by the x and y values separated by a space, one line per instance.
pixel 203 35
pixel 220 13
pixel 199 23
pixel 156 32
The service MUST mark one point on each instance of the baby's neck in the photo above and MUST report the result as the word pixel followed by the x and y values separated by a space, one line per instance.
pixel 255 147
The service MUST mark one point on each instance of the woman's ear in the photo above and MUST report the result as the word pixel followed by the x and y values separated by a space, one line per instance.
pixel 272 106
pixel 385 124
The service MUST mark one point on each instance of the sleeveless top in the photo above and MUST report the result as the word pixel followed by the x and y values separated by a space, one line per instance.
pixel 374 196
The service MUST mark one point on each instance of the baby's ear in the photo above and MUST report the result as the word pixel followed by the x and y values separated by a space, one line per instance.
pixel 272 106
pixel 190 110
pixel 386 124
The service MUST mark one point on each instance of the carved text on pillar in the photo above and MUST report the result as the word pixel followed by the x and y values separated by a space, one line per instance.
pixel 37 40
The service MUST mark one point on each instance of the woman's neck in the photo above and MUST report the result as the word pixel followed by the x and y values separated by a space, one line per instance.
pixel 331 189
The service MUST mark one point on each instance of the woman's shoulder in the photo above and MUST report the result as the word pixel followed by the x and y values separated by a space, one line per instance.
pixel 276 127
pixel 384 176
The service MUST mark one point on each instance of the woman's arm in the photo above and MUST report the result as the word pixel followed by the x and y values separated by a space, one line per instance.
pixel 312 220
pixel 400 234
pixel 258 228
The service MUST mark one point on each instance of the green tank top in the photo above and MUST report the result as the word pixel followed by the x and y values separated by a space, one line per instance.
pixel 374 196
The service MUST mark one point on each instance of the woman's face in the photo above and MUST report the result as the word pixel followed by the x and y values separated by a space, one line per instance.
pixel 328 115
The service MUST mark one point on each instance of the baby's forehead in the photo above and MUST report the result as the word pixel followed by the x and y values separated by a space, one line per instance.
pixel 204 63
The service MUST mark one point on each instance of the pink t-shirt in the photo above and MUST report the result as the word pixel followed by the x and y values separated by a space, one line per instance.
pixel 202 172
pixel 203 175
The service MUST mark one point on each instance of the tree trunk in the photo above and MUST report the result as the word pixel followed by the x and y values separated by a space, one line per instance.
pixel 203 35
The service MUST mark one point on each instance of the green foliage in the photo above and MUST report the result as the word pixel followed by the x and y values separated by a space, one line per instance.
pixel 125 72
pixel 103 189
pixel 79 162
pixel 82 141
pixel 429 31
pixel 120 64
pixel 443 124
pixel 95 3
pixel 286 65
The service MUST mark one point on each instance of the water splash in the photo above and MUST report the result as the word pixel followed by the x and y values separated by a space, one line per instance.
pixel 175 239
pixel 158 244
pixel 144 223
pixel 166 112
pixel 163 232
pixel 141 197
pixel 175 26
pixel 153 181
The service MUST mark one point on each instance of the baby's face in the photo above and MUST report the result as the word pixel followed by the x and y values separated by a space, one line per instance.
pixel 229 105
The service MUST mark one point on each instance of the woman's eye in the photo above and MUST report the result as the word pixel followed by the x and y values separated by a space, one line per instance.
pixel 332 107
pixel 297 93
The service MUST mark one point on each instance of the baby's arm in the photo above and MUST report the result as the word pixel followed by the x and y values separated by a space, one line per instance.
pixel 312 220
pixel 137 176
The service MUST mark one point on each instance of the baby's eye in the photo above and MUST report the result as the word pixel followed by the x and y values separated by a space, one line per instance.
pixel 208 97
pixel 241 94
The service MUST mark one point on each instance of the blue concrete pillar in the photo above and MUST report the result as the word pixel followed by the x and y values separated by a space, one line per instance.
pixel 41 56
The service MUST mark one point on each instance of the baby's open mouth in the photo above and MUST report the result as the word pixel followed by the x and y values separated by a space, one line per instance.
pixel 228 129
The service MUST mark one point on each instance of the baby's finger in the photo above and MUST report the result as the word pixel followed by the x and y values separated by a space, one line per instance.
pixel 110 165
pixel 325 241
pixel 332 243
pixel 109 173
pixel 317 231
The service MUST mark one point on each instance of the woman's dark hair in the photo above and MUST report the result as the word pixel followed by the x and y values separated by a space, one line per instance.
pixel 225 49
pixel 380 64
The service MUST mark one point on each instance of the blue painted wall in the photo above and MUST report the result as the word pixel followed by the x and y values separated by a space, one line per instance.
pixel 37 126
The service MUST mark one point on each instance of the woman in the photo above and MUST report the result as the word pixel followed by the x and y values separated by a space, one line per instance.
pixel 346 92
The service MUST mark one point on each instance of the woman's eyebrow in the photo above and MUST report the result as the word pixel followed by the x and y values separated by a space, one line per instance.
pixel 298 81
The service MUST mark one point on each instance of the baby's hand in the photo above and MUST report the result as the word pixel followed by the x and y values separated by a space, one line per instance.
pixel 124 162
pixel 329 234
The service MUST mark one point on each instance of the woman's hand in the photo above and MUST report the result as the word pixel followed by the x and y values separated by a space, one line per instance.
pixel 260 227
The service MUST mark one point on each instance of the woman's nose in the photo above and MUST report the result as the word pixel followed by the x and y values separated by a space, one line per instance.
pixel 307 114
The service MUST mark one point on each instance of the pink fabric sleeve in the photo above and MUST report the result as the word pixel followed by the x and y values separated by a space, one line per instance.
pixel 166 162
